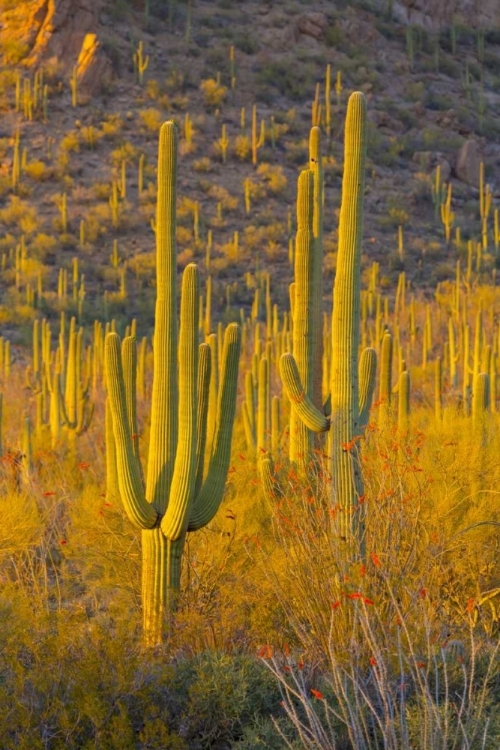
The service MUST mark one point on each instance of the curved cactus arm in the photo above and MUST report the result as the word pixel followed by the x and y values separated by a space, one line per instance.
pixel 311 416
pixel 209 498
pixel 141 513
pixel 367 371
pixel 85 413
pixel 271 484
pixel 204 372
pixel 175 520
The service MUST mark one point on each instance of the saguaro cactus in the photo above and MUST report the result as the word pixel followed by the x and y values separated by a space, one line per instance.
pixel 175 499
pixel 347 409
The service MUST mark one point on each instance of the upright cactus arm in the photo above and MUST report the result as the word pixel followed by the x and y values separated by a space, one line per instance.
pixel 367 372
pixel 71 389
pixel 311 417
pixel 271 484
pixel 204 372
pixel 480 398
pixel 209 498
pixel 164 399
pixel 129 360
pixel 141 513
pixel 175 520
pixel 85 411
pixel 403 400
pixel 112 491
pixel 56 403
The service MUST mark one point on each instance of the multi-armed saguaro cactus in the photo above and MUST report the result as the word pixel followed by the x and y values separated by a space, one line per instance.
pixel 175 499
pixel 349 403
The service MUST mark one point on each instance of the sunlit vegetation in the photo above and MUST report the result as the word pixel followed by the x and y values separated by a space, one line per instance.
pixel 311 610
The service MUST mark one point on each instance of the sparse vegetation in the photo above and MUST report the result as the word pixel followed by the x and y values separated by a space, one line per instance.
pixel 282 633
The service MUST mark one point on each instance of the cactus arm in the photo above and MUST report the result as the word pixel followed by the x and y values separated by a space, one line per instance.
pixel 141 513
pixel 129 360
pixel 311 417
pixel 385 392
pixel 85 413
pixel 270 483
pixel 70 394
pixel 303 322
pixel 403 400
pixel 209 498
pixel 480 399
pixel 112 491
pixel 164 399
pixel 262 406
pixel 56 402
pixel 204 372
pixel 175 520
pixel 247 426
pixel 250 404
pixel 367 371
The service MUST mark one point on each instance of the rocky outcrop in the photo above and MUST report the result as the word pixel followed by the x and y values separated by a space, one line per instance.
pixel 468 161
pixel 311 24
pixel 434 14
pixel 62 33
pixel 93 68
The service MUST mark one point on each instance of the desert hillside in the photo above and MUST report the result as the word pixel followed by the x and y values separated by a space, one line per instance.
pixel 430 76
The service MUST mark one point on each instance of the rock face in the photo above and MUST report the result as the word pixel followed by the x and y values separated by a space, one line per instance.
pixel 93 68
pixel 63 33
pixel 468 161
pixel 433 14
pixel 311 24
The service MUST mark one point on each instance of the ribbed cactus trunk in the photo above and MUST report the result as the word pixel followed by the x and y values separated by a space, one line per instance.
pixel 301 438
pixel 316 166
pixel 347 484
pixel 164 399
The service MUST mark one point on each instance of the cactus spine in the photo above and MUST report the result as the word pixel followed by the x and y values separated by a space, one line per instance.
pixel 175 499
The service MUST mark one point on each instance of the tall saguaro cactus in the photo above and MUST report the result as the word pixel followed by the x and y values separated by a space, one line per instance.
pixel 347 484
pixel 348 403
pixel 177 497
